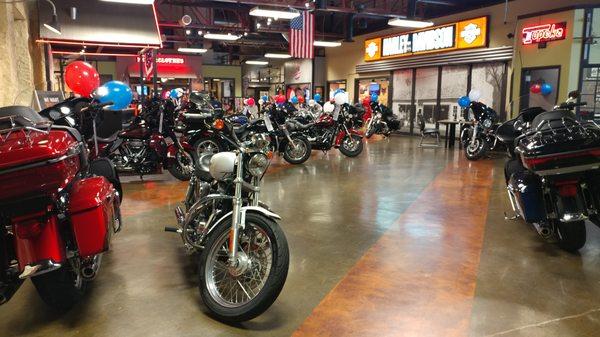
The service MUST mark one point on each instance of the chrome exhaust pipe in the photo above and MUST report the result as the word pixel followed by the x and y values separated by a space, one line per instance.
pixel 89 270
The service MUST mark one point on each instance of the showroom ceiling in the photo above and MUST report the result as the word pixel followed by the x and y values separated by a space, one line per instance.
pixel 336 20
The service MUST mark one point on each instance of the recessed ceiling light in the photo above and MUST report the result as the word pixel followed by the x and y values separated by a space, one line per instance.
pixel 271 13
pixel 255 62
pixel 191 50
pixel 327 44
pixel 134 2
pixel 277 56
pixel 225 37
pixel 409 23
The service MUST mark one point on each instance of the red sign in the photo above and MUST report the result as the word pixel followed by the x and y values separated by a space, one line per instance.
pixel 168 66
pixel 545 33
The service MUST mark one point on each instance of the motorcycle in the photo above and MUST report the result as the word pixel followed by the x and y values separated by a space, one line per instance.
pixel 553 175
pixel 244 255
pixel 223 134
pixel 479 136
pixel 382 121
pixel 335 127
pixel 142 147
pixel 57 210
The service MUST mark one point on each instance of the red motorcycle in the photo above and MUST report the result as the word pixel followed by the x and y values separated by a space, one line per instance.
pixel 335 129
pixel 57 215
pixel 142 148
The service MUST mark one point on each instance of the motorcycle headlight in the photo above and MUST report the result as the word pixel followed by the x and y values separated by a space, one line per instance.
pixel 257 165
pixel 487 123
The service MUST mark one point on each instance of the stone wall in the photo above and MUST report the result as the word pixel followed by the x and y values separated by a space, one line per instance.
pixel 21 58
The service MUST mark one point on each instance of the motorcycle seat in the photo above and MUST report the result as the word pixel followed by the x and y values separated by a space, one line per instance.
pixel 553 119
pixel 109 139
pixel 22 115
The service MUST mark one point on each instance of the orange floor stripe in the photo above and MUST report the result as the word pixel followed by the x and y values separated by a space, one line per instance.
pixel 419 277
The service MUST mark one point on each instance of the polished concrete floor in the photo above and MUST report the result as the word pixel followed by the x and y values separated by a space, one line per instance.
pixel 401 241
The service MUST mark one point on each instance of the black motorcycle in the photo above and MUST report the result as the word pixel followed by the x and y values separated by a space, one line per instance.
pixel 479 136
pixel 382 121
pixel 553 175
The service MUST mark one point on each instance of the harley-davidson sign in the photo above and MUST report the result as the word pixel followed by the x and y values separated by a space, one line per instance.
pixel 459 35
pixel 544 33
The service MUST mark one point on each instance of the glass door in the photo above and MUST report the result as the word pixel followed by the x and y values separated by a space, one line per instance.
pixel 402 98
pixel 426 89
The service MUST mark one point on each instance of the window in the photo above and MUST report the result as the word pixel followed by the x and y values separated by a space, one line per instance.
pixel 531 76
pixel 379 86
pixel 402 97
pixel 426 95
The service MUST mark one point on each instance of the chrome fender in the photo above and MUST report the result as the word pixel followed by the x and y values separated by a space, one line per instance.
pixel 244 210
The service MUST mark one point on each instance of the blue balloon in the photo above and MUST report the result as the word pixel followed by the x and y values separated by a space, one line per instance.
pixel 173 93
pixel 265 98
pixel 294 100
pixel 464 101
pixel 117 92
pixel 546 89
pixel 374 97
pixel 318 97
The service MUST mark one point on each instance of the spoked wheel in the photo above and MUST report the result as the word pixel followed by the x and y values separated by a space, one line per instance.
pixel 352 146
pixel 240 292
pixel 183 167
pixel 62 288
pixel 207 145
pixel 477 149
pixel 297 152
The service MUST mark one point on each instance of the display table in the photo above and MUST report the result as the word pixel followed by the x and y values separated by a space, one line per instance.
pixel 451 131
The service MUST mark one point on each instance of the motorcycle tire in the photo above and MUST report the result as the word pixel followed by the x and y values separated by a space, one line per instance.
pixel 571 235
pixel 479 151
pixel 208 144
pixel 58 289
pixel 352 152
pixel 272 286
pixel 297 159
pixel 177 170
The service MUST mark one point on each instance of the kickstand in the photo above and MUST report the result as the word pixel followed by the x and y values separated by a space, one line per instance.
pixel 514 217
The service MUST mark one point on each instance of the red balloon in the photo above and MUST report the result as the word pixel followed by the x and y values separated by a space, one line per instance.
pixel 300 99
pixel 82 78
pixel 366 100
pixel 280 99
pixel 251 101
pixel 536 88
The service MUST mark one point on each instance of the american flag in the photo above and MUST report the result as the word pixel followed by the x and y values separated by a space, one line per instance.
pixel 148 64
pixel 302 35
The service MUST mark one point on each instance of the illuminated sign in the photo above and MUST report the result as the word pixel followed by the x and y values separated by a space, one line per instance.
pixel 459 35
pixel 168 60
pixel 544 33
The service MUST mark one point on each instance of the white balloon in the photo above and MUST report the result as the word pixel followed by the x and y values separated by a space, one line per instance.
pixel 474 95
pixel 328 107
pixel 311 102
pixel 261 102
pixel 341 98
pixel 245 101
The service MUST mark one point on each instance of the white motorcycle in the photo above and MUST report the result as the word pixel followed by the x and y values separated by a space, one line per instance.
pixel 244 254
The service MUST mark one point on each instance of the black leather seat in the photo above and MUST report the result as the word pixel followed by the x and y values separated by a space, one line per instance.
pixel 553 119
pixel 202 167
pixel 23 116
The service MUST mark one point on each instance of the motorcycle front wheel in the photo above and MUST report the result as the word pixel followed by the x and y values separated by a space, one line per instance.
pixel 62 288
pixel 241 293
pixel 183 167
pixel 297 153
pixel 477 149
pixel 351 146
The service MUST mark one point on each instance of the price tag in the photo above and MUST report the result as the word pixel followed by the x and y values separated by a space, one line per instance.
pixel 336 113
pixel 268 123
